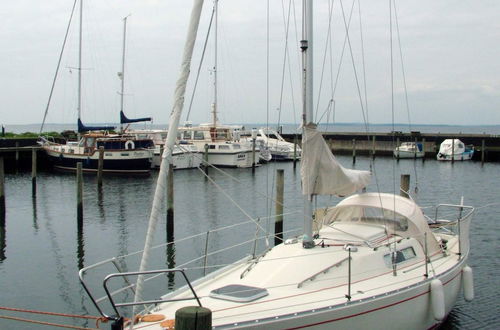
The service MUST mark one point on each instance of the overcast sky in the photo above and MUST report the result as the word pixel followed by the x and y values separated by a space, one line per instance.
pixel 450 54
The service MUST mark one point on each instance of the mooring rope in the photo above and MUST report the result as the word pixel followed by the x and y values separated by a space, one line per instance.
pixel 88 317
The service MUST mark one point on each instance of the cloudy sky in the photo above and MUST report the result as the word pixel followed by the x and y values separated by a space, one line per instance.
pixel 450 52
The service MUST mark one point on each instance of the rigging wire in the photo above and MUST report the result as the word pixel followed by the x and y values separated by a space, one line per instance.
pixel 201 63
pixel 57 68
pixel 406 91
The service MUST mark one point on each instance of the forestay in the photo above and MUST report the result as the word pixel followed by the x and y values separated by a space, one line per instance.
pixel 321 173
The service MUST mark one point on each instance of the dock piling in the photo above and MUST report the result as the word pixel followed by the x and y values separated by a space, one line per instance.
pixel 278 224
pixel 483 145
pixel 100 166
pixel 170 203
pixel 404 189
pixel 354 151
pixel 33 172
pixel 295 151
pixel 2 194
pixel 79 194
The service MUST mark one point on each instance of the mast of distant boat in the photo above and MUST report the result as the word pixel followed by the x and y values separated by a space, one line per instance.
pixel 306 46
pixel 214 104
pixel 122 73
pixel 80 39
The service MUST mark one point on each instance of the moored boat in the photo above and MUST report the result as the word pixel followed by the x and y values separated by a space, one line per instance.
pixel 409 150
pixel 454 149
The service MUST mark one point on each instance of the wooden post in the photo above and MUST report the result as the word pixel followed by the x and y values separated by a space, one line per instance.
pixel 354 151
pixel 33 172
pixel 404 189
pixel 17 156
pixel 416 149
pixel 373 147
pixel 205 156
pixel 278 224
pixel 170 203
pixel 100 166
pixel 2 194
pixel 452 150
pixel 79 194
pixel 397 148
pixel 295 151
pixel 253 155
pixel 193 317
pixel 423 149
pixel 483 145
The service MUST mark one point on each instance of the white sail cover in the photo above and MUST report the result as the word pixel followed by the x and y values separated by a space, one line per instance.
pixel 321 172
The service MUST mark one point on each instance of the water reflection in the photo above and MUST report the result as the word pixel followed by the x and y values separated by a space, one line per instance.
pixel 35 216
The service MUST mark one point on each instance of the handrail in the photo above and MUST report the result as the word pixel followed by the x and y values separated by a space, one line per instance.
pixel 326 270
pixel 114 305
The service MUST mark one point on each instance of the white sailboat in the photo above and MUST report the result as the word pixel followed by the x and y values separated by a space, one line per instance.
pixel 215 139
pixel 372 262
pixel 409 150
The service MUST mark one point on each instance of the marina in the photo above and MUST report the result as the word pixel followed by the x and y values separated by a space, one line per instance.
pixel 273 226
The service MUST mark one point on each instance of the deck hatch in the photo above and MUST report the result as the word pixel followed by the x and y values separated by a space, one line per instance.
pixel 238 293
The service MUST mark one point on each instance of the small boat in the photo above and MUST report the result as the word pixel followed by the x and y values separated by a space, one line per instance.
pixel 454 149
pixel 409 150
pixel 270 139
pixel 123 153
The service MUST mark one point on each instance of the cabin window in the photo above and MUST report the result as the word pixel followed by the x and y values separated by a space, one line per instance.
pixel 186 135
pixel 460 145
pixel 224 147
pixel 236 146
pixel 90 142
pixel 198 135
pixel 222 134
pixel 211 146
pixel 372 215
pixel 71 151
pixel 401 255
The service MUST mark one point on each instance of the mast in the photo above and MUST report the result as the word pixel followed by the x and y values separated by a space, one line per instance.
pixel 214 105
pixel 180 91
pixel 79 106
pixel 122 73
pixel 307 105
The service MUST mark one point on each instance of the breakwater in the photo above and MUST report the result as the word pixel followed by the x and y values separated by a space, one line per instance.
pixel 486 146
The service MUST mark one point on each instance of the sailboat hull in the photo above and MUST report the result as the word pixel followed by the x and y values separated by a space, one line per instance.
pixel 120 161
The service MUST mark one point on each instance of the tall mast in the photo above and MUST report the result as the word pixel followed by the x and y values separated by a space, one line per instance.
pixel 307 111
pixel 122 73
pixel 214 105
pixel 79 108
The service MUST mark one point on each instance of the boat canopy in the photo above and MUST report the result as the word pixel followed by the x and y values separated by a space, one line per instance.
pixel 82 128
pixel 400 215
pixel 125 120
pixel 322 174
pixel 452 145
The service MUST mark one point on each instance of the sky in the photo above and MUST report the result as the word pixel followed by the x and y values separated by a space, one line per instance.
pixel 445 67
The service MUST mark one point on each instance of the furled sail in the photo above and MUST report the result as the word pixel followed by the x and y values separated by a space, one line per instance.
pixel 125 120
pixel 321 173
pixel 82 128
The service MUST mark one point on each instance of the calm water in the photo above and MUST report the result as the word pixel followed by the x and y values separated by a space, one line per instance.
pixel 41 250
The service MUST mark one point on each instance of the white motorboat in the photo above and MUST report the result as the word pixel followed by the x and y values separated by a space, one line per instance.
pixel 372 261
pixel 454 149
pixel 184 155
pixel 271 140
pixel 221 147
pixel 409 150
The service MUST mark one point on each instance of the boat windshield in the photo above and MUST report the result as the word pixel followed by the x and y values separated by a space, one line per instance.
pixel 371 215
